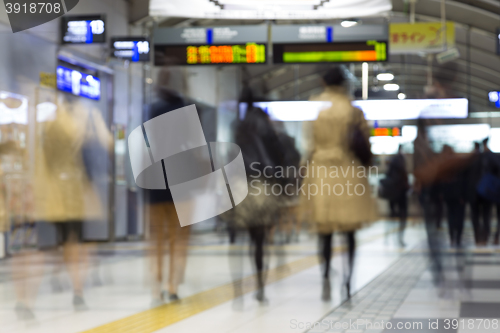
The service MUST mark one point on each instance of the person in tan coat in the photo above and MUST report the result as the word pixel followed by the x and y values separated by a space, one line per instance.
pixel 64 195
pixel 338 195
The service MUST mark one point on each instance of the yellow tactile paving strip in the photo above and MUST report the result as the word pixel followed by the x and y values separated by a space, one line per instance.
pixel 160 317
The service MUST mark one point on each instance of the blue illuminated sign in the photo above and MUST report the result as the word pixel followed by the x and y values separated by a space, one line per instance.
pixel 130 48
pixel 77 83
pixel 494 97
pixel 85 29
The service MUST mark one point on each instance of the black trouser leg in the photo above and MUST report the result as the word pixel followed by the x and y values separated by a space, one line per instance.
pixel 258 236
pixel 351 251
pixel 486 212
pixel 460 223
pixel 474 208
pixel 451 210
pixel 429 205
pixel 325 243
pixel 497 233
pixel 403 214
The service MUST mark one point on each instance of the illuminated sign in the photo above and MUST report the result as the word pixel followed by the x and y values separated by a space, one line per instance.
pixel 413 108
pixel 383 131
pixel 335 52
pixel 249 53
pixel 226 54
pixel 130 48
pixel 329 44
pixel 389 109
pixel 494 98
pixel 85 29
pixel 208 46
pixel 77 83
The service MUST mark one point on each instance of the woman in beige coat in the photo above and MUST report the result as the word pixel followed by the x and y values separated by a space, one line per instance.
pixel 338 194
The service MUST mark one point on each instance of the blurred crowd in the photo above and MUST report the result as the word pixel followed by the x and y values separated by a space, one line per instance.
pixel 71 164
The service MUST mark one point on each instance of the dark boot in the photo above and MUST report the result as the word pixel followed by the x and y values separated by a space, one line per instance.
pixel 326 294
pixel 260 287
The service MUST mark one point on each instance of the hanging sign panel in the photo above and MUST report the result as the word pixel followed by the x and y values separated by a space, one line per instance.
pixel 421 37
pixel 329 44
pixel 78 83
pixel 83 29
pixel 210 46
pixel 130 48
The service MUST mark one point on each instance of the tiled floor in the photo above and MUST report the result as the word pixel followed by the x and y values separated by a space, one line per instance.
pixel 118 288
pixel 405 299
pixel 393 290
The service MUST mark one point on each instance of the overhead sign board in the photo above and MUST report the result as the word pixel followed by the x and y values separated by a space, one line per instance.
pixel 389 109
pixel 83 29
pixel 130 48
pixel 421 37
pixel 494 98
pixel 209 46
pixel 78 83
pixel 329 43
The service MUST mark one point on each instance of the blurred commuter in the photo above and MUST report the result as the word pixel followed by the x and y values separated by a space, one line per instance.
pixel 453 188
pixel 343 202
pixel 262 153
pixel 395 185
pixel 488 193
pixel 64 196
pixel 288 222
pixel 165 229
pixel 426 175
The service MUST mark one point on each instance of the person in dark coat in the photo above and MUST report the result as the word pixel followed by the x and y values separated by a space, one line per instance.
pixel 165 229
pixel 453 188
pixel 398 175
pixel 485 162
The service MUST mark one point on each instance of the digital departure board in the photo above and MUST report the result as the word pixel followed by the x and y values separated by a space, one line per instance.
pixel 83 29
pixel 334 52
pixel 210 46
pixel 249 53
pixel 329 44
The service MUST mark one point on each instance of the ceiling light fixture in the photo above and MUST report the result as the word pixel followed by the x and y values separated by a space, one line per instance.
pixel 349 23
pixel 401 96
pixel 391 87
pixel 385 77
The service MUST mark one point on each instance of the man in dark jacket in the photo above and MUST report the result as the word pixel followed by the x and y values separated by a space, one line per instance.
pixel 165 228
pixel 398 202
pixel 453 188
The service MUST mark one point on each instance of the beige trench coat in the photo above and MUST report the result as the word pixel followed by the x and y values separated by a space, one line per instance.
pixel 62 189
pixel 343 201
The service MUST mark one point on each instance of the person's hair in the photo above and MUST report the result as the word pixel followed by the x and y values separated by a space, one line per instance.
pixel 485 141
pixel 334 77
pixel 256 121
pixel 477 146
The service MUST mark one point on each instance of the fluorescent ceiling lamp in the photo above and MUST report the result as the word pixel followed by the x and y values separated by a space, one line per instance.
pixel 391 87
pixel 385 77
pixel 401 96
pixel 348 23
pixel 269 9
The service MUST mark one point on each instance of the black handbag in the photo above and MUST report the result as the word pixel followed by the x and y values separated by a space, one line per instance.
pixel 96 159
pixel 360 145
